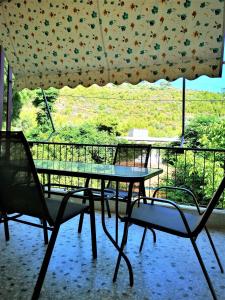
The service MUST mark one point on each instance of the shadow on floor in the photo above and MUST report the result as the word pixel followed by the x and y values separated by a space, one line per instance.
pixel 163 271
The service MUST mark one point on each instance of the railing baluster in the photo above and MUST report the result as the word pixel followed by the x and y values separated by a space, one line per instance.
pixel 48 154
pixel 223 175
pixel 42 154
pixel 167 168
pixel 105 158
pixel 159 156
pixel 194 168
pixel 201 162
pixel 185 165
pixel 213 173
pixel 175 170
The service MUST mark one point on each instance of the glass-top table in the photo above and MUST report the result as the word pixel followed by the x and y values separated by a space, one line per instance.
pixel 96 171
pixel 103 172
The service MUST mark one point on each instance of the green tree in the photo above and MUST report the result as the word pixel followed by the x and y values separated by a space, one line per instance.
pixel 42 115
pixel 198 128
pixel 85 134
pixel 199 170
pixel 16 98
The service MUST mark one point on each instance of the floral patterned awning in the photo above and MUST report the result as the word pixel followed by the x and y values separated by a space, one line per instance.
pixel 71 42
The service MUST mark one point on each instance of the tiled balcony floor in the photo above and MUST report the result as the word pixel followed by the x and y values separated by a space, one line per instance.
pixel 165 270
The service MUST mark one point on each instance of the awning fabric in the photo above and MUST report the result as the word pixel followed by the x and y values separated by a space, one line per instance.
pixel 58 43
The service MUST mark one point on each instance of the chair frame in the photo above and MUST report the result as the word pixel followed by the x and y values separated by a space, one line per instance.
pixel 54 225
pixel 145 165
pixel 148 146
pixel 192 235
pixel 109 194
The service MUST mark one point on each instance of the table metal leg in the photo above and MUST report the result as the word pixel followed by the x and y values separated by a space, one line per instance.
pixel 120 250
pixel 49 185
pixel 142 189
pixel 129 196
pixel 82 214
pixel 117 211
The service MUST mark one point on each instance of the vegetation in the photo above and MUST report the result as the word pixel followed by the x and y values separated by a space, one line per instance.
pixel 42 114
pixel 114 110
pixel 17 99
pixel 99 115
pixel 201 171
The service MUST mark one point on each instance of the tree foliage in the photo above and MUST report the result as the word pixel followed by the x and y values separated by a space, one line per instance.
pixel 42 114
pixel 201 171
pixel 206 132
pixel 16 98
pixel 98 115
pixel 85 134
pixel 117 109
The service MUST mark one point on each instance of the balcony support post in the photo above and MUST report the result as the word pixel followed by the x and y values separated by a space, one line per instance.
pixel 1 85
pixel 183 110
pixel 9 100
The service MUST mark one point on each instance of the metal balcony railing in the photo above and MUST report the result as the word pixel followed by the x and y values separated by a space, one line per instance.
pixel 198 169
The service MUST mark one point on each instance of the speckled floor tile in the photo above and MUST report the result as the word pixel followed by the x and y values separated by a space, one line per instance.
pixel 166 270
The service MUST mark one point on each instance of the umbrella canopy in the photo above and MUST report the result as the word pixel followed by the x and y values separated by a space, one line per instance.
pixel 71 42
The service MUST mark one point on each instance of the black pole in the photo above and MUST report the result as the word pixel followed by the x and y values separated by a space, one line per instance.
pixel 48 110
pixel 183 110
pixel 1 85
pixel 9 100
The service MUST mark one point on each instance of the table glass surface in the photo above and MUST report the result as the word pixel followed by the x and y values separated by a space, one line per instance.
pixel 95 170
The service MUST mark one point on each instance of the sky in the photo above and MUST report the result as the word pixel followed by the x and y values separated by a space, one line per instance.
pixel 204 83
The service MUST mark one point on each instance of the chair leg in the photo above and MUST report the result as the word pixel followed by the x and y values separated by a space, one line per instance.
pixel 108 208
pixel 6 226
pixel 143 237
pixel 142 240
pixel 93 231
pixel 45 230
pixel 82 215
pixel 214 249
pixel 152 230
pixel 154 234
pixel 45 263
pixel 80 223
pixel 123 243
pixel 203 268
pixel 81 218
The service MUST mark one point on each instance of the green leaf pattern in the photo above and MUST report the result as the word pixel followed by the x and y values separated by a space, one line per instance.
pixel 58 43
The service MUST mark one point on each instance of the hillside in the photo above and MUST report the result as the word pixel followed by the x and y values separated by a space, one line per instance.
pixel 157 108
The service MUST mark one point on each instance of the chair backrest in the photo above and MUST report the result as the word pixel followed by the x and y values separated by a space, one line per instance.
pixel 212 204
pixel 20 189
pixel 132 155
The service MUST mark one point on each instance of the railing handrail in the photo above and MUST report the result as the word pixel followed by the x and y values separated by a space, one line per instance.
pixel 178 148
pixel 181 165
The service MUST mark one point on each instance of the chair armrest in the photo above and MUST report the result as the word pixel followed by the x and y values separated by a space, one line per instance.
pixel 66 199
pixel 110 193
pixel 166 201
pixel 113 193
pixel 62 193
pixel 182 190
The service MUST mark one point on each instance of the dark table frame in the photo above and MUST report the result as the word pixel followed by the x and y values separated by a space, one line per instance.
pixel 103 172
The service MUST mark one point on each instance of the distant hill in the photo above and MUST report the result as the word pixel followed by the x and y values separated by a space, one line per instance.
pixel 158 108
